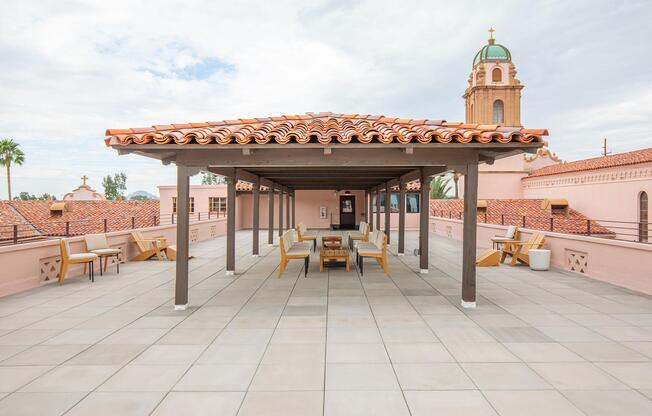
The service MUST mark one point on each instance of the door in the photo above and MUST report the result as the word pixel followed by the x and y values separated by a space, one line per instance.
pixel 347 212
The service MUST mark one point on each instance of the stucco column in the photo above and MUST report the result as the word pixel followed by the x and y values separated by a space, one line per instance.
pixel 183 224
pixel 378 207
pixel 280 211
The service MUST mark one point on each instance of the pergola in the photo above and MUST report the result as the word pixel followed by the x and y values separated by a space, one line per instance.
pixel 326 151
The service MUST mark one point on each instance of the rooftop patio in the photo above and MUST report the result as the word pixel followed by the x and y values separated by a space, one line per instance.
pixel 538 343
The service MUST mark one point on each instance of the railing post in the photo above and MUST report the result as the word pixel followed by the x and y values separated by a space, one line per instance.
pixel 588 227
pixel 67 228
pixel 199 216
pixel 154 220
pixel 15 233
pixel 502 219
pixel 106 226
pixel 552 223
pixel 485 217
pixel 173 218
pixel 523 221
pixel 133 222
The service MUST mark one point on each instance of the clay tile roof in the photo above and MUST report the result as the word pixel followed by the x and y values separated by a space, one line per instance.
pixel 319 128
pixel 84 217
pixel 512 211
pixel 603 162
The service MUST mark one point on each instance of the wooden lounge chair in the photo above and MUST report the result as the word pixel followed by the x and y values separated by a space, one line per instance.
pixel 304 235
pixel 361 235
pixel 518 250
pixel 149 247
pixel 98 244
pixel 489 258
pixel 293 250
pixel 376 249
pixel 510 234
pixel 492 256
pixel 171 253
pixel 67 258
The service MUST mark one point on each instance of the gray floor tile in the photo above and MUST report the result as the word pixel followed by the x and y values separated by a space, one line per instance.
pixel 439 376
pixel 38 404
pixel 111 404
pixel 463 402
pixel 282 403
pixel 531 403
pixel 199 403
pixel 364 403
pixel 607 403
pixel 360 377
pixel 217 377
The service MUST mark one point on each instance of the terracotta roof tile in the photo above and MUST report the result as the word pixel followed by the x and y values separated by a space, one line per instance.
pixel 512 211
pixel 603 162
pixel 321 128
pixel 86 216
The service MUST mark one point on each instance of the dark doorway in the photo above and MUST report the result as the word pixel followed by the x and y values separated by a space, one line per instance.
pixel 347 212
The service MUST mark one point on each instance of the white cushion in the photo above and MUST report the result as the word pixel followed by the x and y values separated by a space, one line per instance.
pixel 82 256
pixel 511 231
pixel 300 251
pixel 304 245
pixel 367 251
pixel 106 251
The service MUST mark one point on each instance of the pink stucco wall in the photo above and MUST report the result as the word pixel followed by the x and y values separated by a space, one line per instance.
pixel 621 263
pixel 23 264
pixel 604 195
pixel 201 193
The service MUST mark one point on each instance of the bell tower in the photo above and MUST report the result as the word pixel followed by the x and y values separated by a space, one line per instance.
pixel 494 94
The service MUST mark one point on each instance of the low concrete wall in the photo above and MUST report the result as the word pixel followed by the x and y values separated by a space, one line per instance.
pixel 25 266
pixel 621 263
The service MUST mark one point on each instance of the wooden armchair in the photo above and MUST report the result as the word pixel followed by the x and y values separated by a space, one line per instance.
pixel 149 247
pixel 518 250
pixel 304 235
pixel 377 249
pixel 361 235
pixel 68 258
pixel 291 250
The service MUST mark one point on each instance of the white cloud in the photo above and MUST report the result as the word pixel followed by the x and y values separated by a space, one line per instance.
pixel 71 69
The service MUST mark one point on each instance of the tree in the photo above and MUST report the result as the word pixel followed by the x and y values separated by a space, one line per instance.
pixel 439 187
pixel 10 153
pixel 115 186
pixel 141 198
pixel 26 196
pixel 208 178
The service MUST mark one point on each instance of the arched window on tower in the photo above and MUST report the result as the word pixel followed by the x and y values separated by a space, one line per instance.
pixel 496 75
pixel 643 216
pixel 498 112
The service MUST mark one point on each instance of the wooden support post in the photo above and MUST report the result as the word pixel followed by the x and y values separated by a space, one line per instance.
pixel 388 210
pixel 280 211
pixel 469 242
pixel 401 218
pixel 378 208
pixel 294 207
pixel 371 210
pixel 183 224
pixel 287 208
pixel 424 226
pixel 270 223
pixel 367 205
pixel 256 219
pixel 230 226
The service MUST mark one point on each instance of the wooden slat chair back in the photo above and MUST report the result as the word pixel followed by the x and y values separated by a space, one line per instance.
pixel 148 247
pixel 519 250
pixel 361 235
pixel 290 250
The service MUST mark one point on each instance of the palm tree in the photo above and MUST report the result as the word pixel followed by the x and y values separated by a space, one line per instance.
pixel 439 187
pixel 10 153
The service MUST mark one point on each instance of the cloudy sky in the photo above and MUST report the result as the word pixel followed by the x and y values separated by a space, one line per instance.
pixel 71 69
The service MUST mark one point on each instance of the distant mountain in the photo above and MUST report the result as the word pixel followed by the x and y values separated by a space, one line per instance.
pixel 141 195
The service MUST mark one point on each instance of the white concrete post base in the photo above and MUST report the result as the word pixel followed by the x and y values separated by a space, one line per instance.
pixel 400 254
pixel 254 255
pixel 468 305
pixel 230 272
pixel 424 271
pixel 180 307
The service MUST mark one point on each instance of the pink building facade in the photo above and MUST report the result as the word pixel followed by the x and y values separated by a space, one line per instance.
pixel 309 203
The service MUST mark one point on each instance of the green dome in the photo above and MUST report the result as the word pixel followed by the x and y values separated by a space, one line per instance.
pixel 492 52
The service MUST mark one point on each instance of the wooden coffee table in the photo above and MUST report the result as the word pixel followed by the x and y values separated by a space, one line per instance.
pixel 333 242
pixel 332 257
